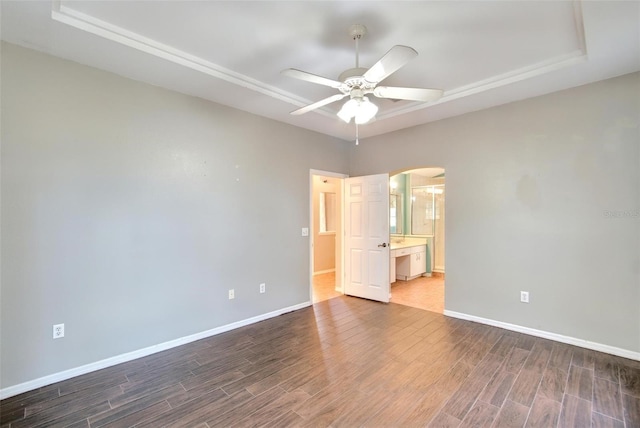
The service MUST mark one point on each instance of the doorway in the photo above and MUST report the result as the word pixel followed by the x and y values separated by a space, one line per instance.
pixel 326 215
pixel 417 217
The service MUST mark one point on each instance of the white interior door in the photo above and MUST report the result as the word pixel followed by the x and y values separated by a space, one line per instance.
pixel 366 255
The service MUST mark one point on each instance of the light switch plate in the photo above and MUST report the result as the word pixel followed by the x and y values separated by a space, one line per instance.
pixel 305 231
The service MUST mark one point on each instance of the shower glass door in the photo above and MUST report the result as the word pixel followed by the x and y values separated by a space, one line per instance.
pixel 427 218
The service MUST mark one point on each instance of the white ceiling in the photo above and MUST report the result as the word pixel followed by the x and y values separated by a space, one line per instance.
pixel 481 53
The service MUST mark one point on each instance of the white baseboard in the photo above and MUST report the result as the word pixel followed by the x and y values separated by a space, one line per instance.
pixel 123 358
pixel 320 272
pixel 548 335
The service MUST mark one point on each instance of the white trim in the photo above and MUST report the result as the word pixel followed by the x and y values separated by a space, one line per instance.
pixel 320 272
pixel 82 21
pixel 129 356
pixel 524 73
pixel 341 177
pixel 548 335
pixel 579 20
pixel 85 22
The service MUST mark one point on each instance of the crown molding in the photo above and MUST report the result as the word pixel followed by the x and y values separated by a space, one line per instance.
pixel 493 82
pixel 82 21
pixel 90 24
pixel 549 65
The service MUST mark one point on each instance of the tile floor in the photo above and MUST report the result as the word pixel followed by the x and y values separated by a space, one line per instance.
pixel 324 287
pixel 423 293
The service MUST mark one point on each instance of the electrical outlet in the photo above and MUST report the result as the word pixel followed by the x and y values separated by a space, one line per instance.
pixel 263 287
pixel 524 296
pixel 232 294
pixel 58 331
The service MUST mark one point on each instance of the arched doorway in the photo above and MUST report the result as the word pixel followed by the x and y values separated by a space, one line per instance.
pixel 417 236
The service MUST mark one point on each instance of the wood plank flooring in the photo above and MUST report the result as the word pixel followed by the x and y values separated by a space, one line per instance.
pixel 347 362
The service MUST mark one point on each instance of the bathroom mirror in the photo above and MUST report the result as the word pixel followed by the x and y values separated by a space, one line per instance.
pixel 395 214
pixel 327 214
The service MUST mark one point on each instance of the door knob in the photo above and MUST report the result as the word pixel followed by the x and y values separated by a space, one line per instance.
pixel 384 244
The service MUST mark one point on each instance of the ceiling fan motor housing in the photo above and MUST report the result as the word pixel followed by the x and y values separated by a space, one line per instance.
pixel 352 79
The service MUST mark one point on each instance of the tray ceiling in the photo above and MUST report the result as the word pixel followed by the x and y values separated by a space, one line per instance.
pixel 481 54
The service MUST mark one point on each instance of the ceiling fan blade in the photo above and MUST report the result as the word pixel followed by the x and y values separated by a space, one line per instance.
pixel 318 104
pixel 393 60
pixel 309 77
pixel 414 94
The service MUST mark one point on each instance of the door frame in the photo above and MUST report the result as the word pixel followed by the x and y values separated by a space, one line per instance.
pixel 339 287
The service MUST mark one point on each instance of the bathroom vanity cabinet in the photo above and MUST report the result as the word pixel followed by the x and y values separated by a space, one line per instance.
pixel 408 262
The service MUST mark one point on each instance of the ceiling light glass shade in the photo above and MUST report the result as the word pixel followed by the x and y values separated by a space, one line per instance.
pixel 366 111
pixel 361 109
pixel 348 110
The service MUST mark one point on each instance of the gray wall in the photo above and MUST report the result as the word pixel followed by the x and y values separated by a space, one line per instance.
pixel 530 191
pixel 128 211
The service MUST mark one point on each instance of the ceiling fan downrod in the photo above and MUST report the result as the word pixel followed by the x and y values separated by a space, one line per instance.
pixel 356 31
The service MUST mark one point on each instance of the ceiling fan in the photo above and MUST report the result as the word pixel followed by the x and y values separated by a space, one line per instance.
pixel 357 83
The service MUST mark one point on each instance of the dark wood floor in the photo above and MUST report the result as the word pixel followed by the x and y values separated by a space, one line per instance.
pixel 348 362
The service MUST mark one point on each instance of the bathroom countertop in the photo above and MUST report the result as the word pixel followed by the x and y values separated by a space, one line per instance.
pixel 406 244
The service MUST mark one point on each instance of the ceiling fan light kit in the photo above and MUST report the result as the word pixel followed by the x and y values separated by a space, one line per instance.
pixel 358 82
pixel 360 109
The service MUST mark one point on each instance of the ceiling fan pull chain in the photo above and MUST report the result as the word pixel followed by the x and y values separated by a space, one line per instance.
pixel 357 139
